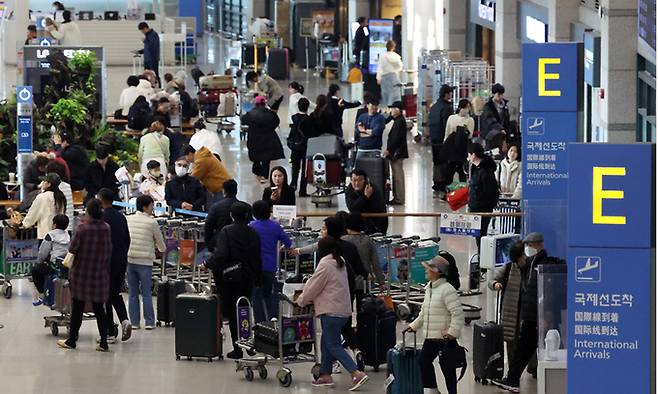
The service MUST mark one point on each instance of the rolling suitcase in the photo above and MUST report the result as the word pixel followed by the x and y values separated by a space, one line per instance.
pixel 327 144
pixel 377 170
pixel 375 332
pixel 198 327
pixel 167 291
pixel 278 63
pixel 331 174
pixel 488 352
pixel 404 367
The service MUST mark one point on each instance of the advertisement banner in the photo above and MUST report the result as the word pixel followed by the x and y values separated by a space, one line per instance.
pixel 381 31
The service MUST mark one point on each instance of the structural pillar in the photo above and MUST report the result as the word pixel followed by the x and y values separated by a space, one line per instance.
pixel 455 19
pixel 619 70
pixel 508 52
pixel 561 13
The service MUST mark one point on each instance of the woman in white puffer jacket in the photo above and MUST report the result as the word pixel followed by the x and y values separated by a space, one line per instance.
pixel 441 320
pixel 509 174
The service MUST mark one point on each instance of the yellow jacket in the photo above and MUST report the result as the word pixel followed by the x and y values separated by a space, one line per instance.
pixel 210 171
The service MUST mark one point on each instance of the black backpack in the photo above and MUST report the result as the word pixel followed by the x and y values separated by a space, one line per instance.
pixel 139 115
pixel 296 140
pixel 453 273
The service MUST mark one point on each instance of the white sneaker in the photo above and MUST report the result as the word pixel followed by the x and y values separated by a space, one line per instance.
pixel 110 340
pixel 149 328
pixel 336 368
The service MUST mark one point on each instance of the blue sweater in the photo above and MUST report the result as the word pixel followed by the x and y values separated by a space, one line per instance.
pixel 270 233
pixel 377 123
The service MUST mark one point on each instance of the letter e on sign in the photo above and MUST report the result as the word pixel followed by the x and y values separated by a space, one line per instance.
pixel 599 194
pixel 543 76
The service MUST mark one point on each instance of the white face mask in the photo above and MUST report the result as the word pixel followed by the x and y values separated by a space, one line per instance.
pixel 181 171
pixel 530 251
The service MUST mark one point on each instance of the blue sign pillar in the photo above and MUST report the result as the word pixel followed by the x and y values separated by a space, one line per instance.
pixel 24 100
pixel 611 263
pixel 552 98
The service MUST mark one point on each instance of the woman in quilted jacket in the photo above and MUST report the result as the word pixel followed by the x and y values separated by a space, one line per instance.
pixel 441 320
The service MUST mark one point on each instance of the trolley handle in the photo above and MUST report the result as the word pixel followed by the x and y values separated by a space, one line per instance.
pixel 404 338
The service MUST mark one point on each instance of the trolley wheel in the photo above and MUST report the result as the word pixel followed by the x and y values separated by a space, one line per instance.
pixel 158 324
pixel 177 357
pixel 189 358
pixel 485 382
pixel 360 363
pixel 249 374
pixel 262 372
pixel 172 324
pixel 209 359
pixel 315 371
pixel 251 352
pixel 54 329
pixel 375 368
pixel 477 380
pixel 285 377
pixel 7 290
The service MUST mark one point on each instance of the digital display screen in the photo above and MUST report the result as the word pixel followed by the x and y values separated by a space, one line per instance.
pixel 646 20
pixel 381 31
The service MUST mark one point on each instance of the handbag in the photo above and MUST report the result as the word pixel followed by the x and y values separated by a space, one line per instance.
pixel 454 357
pixel 68 260
pixel 457 198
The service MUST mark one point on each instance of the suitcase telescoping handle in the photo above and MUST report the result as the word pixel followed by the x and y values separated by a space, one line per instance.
pixel 404 338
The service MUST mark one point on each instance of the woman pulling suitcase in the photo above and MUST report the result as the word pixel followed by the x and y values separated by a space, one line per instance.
pixel 441 320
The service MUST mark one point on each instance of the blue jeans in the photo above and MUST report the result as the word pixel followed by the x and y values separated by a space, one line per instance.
pixel 331 347
pixel 265 300
pixel 140 280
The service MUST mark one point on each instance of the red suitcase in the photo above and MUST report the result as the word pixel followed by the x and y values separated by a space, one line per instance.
pixel 410 106
pixel 333 172
pixel 458 198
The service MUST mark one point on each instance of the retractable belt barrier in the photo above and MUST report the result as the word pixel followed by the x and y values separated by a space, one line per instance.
pixel 177 210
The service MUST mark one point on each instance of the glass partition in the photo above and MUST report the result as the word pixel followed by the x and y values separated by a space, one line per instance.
pixel 552 312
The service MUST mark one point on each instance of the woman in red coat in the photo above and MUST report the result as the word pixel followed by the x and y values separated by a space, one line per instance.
pixel 89 275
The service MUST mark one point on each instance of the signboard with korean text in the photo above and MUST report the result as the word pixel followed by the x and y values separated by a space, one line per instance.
pixel 24 102
pixel 460 224
pixel 611 265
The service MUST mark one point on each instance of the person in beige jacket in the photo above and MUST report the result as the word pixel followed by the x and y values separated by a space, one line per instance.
pixel 441 320
pixel 145 238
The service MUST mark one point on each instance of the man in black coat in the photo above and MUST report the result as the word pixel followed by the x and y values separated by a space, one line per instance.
pixel 236 264
pixel 526 345
pixel 362 197
pixel 438 118
pixel 361 41
pixel 263 141
pixel 396 151
pixel 75 157
pixel 219 215
pixel 397 34
pixel 483 189
pixel 100 173
pixel 495 118
pixel 185 191
pixel 118 264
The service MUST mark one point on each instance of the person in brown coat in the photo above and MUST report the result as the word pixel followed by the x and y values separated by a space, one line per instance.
pixel 89 274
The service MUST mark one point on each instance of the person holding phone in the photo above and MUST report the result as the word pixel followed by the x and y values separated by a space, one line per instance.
pixel 362 197
pixel 279 192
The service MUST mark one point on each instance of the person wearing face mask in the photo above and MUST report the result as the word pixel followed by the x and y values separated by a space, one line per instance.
pixel 459 130
pixel 184 191
pixel 495 118
pixel 509 174
pixel 483 188
pixel 153 146
pixel 154 183
pixel 526 345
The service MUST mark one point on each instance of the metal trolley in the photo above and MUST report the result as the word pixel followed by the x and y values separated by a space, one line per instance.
pixel 296 341
pixel 20 251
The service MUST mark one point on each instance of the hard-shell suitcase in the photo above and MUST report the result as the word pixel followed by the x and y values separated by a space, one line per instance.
pixel 278 63
pixel 327 144
pixel 227 106
pixel 404 367
pixel 216 82
pixel 488 351
pixel 266 340
pixel 375 332
pixel 167 292
pixel 377 170
pixel 333 172
pixel 198 326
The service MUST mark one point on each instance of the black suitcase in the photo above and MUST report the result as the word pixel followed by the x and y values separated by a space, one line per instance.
pixel 167 292
pixel 278 63
pixel 377 170
pixel 198 327
pixel 488 351
pixel 375 331
pixel 266 340
pixel 248 54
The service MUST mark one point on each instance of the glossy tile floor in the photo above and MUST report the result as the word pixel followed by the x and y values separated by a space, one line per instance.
pixel 30 361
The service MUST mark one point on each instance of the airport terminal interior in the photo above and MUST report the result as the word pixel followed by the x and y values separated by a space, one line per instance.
pixel 497 155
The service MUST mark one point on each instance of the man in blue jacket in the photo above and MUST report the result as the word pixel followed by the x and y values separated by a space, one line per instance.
pixel 151 49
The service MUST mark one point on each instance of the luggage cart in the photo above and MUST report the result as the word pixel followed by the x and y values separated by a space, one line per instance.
pixel 218 100
pixel 63 306
pixel 20 251
pixel 295 342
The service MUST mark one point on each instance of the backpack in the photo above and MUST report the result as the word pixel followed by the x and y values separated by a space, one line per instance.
pixel 139 115
pixel 296 139
pixel 453 273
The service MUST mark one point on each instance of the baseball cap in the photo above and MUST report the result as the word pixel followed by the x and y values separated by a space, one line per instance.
pixel 533 237
pixel 398 105
pixel 437 264
pixel 51 178
pixel 260 100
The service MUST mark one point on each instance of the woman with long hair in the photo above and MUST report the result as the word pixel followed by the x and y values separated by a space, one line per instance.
pixel 323 117
pixel 328 290
pixel 279 192
pixel 154 146
pixel 50 202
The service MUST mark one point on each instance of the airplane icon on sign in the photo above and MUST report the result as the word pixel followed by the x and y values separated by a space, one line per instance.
pixel 588 269
pixel 535 126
